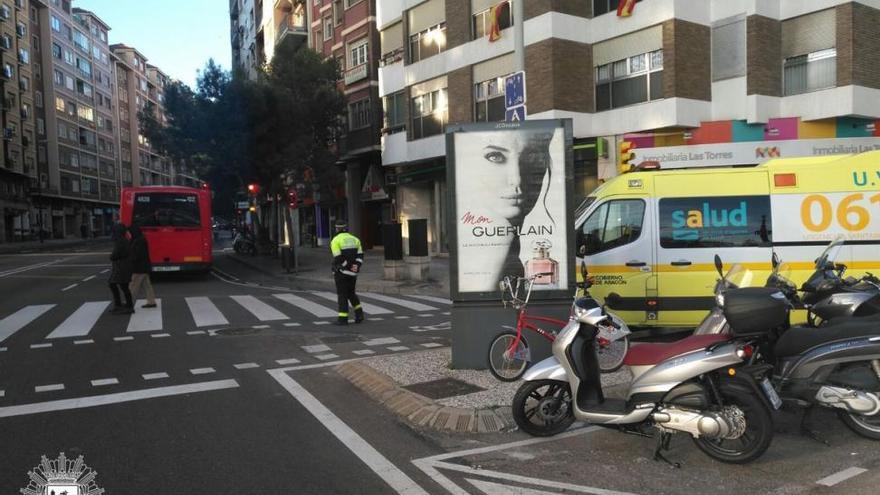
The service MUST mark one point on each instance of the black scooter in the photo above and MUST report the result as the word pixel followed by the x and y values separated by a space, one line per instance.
pixel 836 366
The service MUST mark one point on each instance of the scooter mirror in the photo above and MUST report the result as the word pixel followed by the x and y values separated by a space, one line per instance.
pixel 719 266
pixel 613 299
pixel 774 260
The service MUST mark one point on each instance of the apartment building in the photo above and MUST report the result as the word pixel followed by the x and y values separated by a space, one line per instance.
pixel 690 82
pixel 346 30
pixel 245 17
pixel 18 171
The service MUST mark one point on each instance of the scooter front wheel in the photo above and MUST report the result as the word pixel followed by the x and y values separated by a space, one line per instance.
pixel 866 426
pixel 542 408
pixel 753 430
pixel 508 357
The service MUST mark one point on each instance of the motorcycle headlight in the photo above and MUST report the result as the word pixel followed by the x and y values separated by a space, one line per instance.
pixel 719 299
pixel 584 308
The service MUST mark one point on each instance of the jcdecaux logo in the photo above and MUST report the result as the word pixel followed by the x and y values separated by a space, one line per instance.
pixel 688 224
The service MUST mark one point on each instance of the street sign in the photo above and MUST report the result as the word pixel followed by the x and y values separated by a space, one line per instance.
pixel 243 205
pixel 515 90
pixel 515 114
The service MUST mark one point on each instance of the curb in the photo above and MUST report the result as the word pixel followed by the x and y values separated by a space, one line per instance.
pixel 419 410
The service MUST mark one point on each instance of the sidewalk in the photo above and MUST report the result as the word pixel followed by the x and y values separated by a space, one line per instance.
pixel 421 388
pixel 314 268
pixel 53 245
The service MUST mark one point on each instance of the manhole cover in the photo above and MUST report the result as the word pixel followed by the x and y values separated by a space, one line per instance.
pixel 446 387
pixel 341 339
pixel 238 331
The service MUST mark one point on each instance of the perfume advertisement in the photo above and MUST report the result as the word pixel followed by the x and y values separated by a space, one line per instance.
pixel 510 206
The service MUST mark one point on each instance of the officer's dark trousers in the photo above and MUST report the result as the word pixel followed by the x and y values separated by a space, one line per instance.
pixel 345 294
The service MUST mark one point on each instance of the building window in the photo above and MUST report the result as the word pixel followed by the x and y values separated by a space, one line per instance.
pixel 328 28
pixel 59 103
pixel 38 99
pixel 56 24
pixel 359 114
pixel 41 127
pixel 604 6
pixel 56 50
pixel 481 23
pixel 86 113
pixel 635 79
pixel 729 48
pixel 5 12
pixel 394 106
pixel 427 43
pixel 349 3
pixel 24 83
pixel 21 29
pixel 23 56
pixel 358 53
pixel 489 100
pixel 429 114
pixel 8 71
pixel 811 72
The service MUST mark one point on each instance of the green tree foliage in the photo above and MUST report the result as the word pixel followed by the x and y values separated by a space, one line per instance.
pixel 234 131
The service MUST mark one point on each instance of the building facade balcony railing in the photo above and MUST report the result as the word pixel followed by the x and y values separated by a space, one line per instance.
pixel 357 73
pixel 291 23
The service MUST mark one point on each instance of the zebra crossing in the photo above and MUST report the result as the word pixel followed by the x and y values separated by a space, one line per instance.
pixel 78 320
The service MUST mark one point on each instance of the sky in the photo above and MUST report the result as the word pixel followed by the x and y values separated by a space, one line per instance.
pixel 177 36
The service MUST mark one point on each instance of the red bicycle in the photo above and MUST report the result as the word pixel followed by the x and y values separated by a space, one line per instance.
pixel 509 356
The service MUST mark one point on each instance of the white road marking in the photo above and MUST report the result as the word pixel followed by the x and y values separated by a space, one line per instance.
pixel 123 339
pixel 415 306
pixel 92 277
pixel 841 476
pixel 196 332
pixel 381 341
pixel 69 287
pixel 105 381
pixel 370 309
pixel 259 309
pixel 160 335
pixel 18 320
pixel 84 341
pixel 364 352
pixel 155 376
pixel 292 324
pixel 438 300
pixel 101 400
pixel 320 322
pixel 3 349
pixel 48 388
pixel 398 348
pixel 306 305
pixel 311 349
pixel 81 321
pixel 246 366
pixel 2 393
pixel 326 357
pixel 446 313
pixel 41 346
pixel 490 488
pixel 146 319
pixel 105 270
pixel 391 474
pixel 401 317
pixel 431 345
pixel 285 362
pixel 260 327
pixel 204 312
pixel 426 315
pixel 376 318
pixel 21 269
pixel 202 371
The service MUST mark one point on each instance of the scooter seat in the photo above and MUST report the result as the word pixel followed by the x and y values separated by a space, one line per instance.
pixel 653 353
pixel 798 340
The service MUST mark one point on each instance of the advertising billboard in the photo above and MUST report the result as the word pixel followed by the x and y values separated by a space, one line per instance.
pixel 510 194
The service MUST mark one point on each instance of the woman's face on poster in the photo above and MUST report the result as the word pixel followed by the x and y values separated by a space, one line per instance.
pixel 508 170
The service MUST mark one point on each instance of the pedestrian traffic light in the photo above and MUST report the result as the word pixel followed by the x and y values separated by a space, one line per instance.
pixel 253 188
pixel 625 156
pixel 292 198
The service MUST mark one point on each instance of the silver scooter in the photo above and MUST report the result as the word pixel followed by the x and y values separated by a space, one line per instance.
pixel 696 385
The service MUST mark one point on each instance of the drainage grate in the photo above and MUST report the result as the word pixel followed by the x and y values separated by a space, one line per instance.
pixel 238 331
pixel 443 388
pixel 341 339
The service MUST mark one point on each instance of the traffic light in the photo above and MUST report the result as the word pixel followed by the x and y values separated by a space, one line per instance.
pixel 292 198
pixel 625 156
pixel 253 189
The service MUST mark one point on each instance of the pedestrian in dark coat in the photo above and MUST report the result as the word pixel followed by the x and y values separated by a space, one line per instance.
pixel 120 272
pixel 141 267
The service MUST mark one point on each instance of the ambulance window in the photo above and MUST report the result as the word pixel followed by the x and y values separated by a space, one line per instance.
pixel 612 224
pixel 713 222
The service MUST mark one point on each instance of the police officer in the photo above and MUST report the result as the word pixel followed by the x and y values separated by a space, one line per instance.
pixel 348 256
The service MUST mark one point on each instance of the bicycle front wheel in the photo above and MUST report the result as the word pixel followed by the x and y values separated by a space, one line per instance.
pixel 508 358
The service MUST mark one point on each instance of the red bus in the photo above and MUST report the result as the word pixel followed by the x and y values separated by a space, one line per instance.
pixel 176 221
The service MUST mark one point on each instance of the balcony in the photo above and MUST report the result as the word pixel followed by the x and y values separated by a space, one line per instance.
pixel 293 23
pixel 356 73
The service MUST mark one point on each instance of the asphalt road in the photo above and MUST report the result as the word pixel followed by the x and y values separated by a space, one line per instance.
pixel 233 391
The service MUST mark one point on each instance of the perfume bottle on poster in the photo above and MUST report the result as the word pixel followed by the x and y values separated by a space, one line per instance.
pixel 542 263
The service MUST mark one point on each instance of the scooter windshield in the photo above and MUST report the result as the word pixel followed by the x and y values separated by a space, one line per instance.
pixel 738 277
pixel 829 255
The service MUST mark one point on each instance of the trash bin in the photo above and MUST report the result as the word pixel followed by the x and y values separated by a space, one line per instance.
pixel 392 239
pixel 418 237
